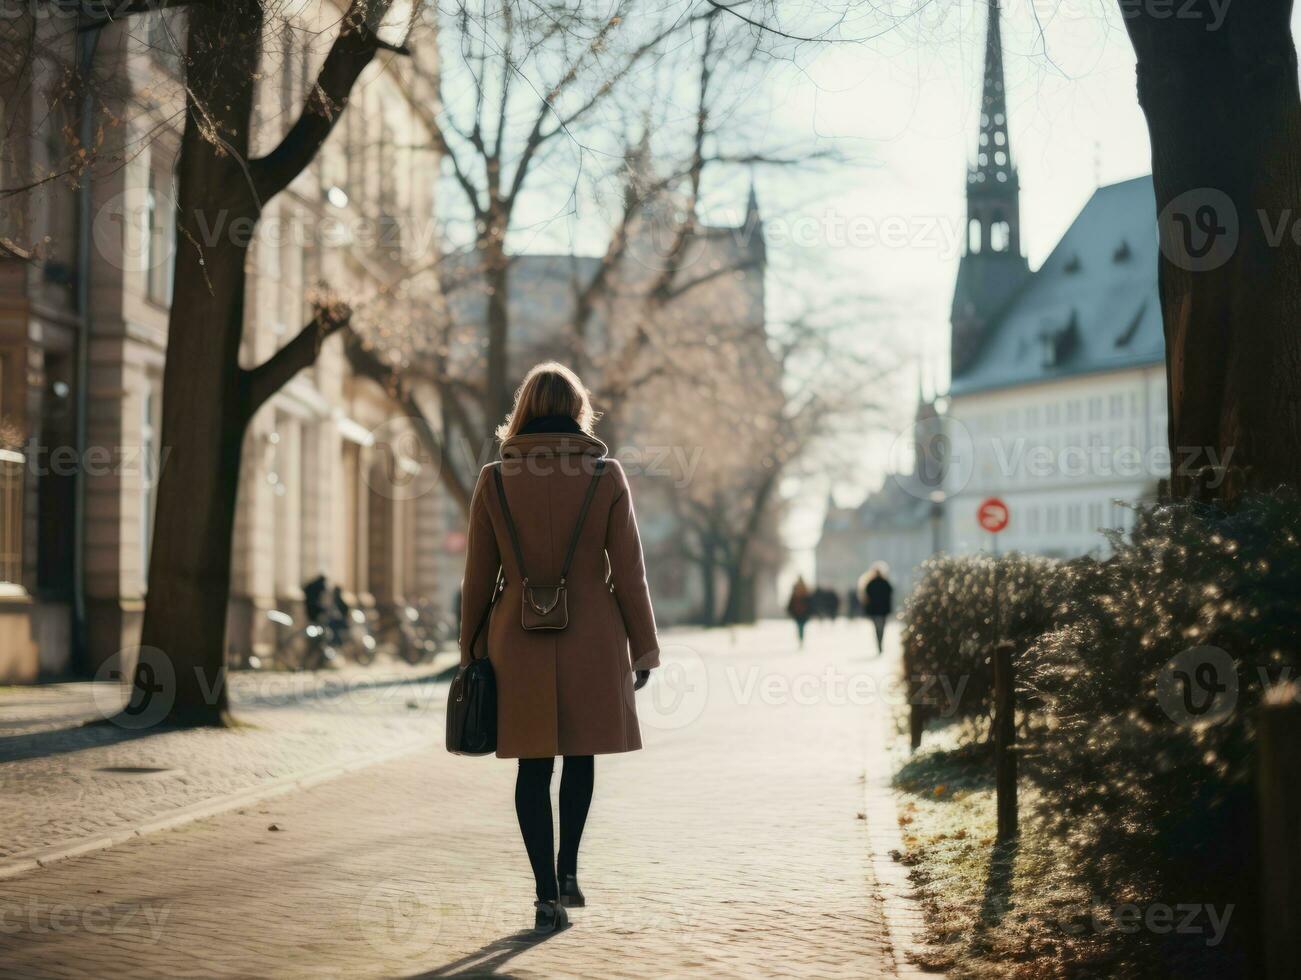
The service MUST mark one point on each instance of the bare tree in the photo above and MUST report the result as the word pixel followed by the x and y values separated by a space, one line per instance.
pixel 532 106
pixel 208 398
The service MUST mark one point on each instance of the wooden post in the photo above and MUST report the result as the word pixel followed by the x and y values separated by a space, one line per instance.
pixel 1005 740
pixel 1278 747
pixel 916 725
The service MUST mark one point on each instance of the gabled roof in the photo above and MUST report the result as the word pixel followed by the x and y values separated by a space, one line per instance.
pixel 1092 306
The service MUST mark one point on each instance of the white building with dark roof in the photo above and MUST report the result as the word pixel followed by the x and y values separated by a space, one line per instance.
pixel 1057 402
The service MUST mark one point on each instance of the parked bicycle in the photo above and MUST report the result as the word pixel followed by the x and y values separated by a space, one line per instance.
pixel 306 648
pixel 403 630
pixel 357 642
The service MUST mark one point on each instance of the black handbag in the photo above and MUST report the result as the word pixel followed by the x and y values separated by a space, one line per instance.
pixel 472 698
pixel 545 607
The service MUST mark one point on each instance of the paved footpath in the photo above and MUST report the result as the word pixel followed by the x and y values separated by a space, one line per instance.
pixel 734 845
pixel 63 781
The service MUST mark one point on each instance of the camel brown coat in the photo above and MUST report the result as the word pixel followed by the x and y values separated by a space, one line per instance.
pixel 570 691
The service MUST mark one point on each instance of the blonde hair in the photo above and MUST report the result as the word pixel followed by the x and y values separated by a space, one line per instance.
pixel 549 388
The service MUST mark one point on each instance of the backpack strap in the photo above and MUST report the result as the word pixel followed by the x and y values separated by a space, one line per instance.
pixel 487 614
pixel 578 528
pixel 510 522
pixel 582 516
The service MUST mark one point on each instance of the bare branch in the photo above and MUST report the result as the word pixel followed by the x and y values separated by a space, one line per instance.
pixel 367 364
pixel 351 52
pixel 262 382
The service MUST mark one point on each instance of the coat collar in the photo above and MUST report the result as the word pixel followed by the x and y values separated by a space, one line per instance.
pixel 552 444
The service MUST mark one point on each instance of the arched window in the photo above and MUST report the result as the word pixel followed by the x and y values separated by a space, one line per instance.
pixel 974 242
pixel 1000 236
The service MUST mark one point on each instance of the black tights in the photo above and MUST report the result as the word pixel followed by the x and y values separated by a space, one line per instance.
pixel 533 807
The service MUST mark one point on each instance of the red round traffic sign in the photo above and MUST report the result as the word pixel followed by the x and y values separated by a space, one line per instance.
pixel 992 515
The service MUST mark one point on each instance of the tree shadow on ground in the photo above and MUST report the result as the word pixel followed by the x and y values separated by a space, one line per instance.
pixel 969 767
pixel 92 734
pixel 998 882
pixel 486 961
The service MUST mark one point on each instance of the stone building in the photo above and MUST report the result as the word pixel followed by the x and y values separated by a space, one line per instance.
pixel 83 330
pixel 900 523
pixel 1057 402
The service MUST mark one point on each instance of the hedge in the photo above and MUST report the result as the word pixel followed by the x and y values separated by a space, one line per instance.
pixel 1156 804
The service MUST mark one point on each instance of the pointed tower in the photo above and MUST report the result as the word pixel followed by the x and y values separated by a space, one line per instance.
pixel 752 229
pixel 992 266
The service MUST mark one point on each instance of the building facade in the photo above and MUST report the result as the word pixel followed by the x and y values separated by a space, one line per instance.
pixel 1057 400
pixel 324 461
pixel 901 523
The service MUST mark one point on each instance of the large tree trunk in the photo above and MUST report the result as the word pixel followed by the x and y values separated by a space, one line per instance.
pixel 739 605
pixel 203 410
pixel 497 277
pixel 1224 116
pixel 708 565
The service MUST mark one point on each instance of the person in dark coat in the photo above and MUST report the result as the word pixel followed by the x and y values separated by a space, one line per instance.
pixel 800 607
pixel 877 595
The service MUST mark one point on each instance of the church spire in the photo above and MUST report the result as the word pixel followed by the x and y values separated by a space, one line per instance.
pixel 752 228
pixel 994 151
pixel 993 190
pixel 992 266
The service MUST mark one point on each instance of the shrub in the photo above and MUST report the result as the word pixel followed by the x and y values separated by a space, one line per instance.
pixel 949 627
pixel 1159 803
pixel 1154 801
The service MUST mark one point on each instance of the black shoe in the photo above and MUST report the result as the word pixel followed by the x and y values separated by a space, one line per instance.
pixel 550 917
pixel 571 896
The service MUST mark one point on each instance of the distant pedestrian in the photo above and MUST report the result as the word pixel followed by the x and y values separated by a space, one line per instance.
pixel 569 646
pixel 852 606
pixel 877 595
pixel 800 607
pixel 826 603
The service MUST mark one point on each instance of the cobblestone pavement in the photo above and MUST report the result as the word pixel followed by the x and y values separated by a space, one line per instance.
pixel 61 780
pixel 734 845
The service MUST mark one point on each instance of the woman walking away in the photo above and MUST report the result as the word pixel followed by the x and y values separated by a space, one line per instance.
pixel 800 607
pixel 878 600
pixel 568 643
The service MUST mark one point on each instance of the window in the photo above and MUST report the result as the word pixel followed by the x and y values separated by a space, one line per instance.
pixel 1000 236
pixel 973 236
pixel 164 41
pixel 11 516
pixel 1074 517
pixel 287 74
pixel 159 232
pixel 12 468
pixel 1054 519
pixel 387 182
pixel 4 160
pixel 1117 406
pixel 1117 514
pixel 150 422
